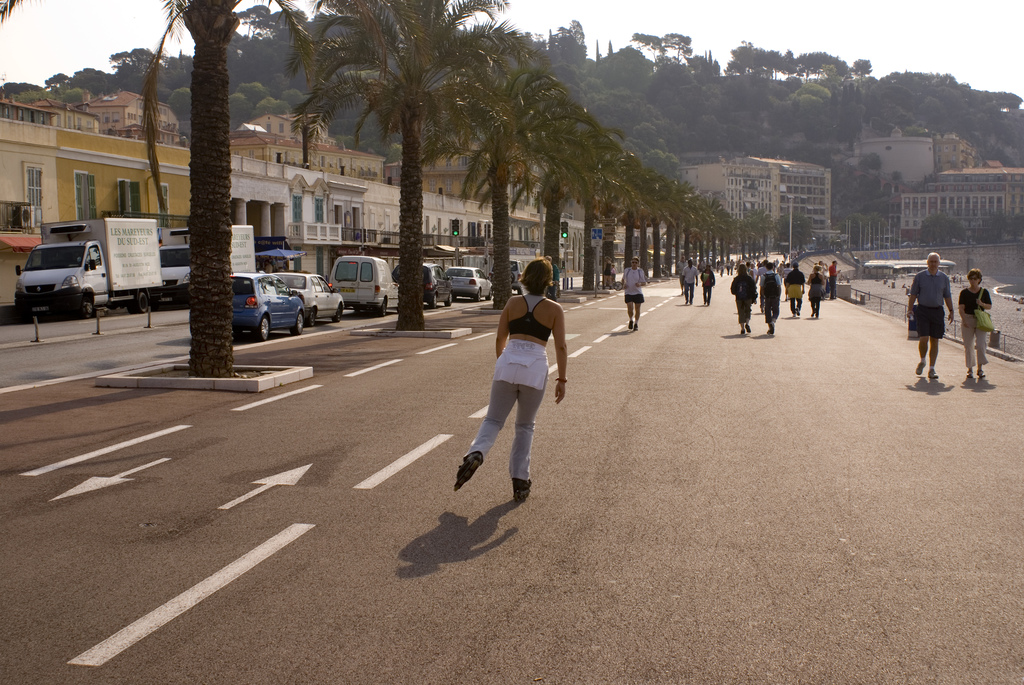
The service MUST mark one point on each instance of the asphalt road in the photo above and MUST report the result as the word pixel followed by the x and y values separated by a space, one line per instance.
pixel 707 508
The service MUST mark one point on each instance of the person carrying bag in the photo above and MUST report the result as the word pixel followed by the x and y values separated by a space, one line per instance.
pixel 976 321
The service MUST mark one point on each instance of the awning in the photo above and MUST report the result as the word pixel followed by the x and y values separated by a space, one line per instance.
pixel 20 243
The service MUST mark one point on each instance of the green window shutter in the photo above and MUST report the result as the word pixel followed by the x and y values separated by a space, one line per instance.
pixel 123 198
pixel 92 196
pixel 135 195
pixel 80 203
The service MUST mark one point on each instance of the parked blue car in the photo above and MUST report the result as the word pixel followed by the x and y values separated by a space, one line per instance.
pixel 262 303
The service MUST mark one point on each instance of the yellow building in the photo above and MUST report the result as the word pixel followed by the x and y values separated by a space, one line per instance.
pixel 64 115
pixel 121 114
pixel 445 177
pixel 953 153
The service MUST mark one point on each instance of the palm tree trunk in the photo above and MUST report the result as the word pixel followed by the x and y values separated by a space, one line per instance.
pixel 627 254
pixel 643 246
pixel 656 240
pixel 552 225
pixel 410 222
pixel 589 252
pixel 502 282
pixel 212 25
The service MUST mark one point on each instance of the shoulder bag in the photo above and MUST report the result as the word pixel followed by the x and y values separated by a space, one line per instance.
pixel 983 320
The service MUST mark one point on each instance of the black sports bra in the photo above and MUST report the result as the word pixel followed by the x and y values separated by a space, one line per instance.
pixel 527 325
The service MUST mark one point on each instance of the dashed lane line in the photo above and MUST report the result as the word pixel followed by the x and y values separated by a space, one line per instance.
pixel 579 352
pixel 477 337
pixel 245 407
pixel 371 368
pixel 400 463
pixel 122 640
pixel 439 347
pixel 603 338
pixel 100 452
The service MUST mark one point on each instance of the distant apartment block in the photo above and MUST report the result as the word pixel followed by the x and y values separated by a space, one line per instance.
pixel 953 153
pixel 121 114
pixel 323 156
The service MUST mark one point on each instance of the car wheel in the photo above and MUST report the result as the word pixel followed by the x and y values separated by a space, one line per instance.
pixel 263 330
pixel 488 295
pixel 383 311
pixel 311 318
pixel 432 304
pixel 337 315
pixel 87 310
pixel 299 321
pixel 476 298
pixel 448 302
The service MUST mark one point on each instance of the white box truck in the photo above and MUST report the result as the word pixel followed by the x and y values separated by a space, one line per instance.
pixel 81 265
pixel 175 262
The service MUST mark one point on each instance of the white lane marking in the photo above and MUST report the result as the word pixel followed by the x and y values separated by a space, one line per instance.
pixel 551 369
pixel 589 303
pixel 612 309
pixel 618 328
pixel 480 414
pixel 439 347
pixel 125 638
pixel 372 368
pixel 276 398
pixel 96 483
pixel 602 338
pixel 477 337
pixel 576 307
pixel 286 478
pixel 106 450
pixel 400 463
pixel 579 352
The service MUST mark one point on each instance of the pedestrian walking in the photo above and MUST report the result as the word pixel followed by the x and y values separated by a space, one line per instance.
pixel 771 291
pixel 707 282
pixel 972 298
pixel 690 274
pixel 552 290
pixel 520 376
pixel 795 281
pixel 633 279
pixel 833 274
pixel 762 268
pixel 608 275
pixel 930 289
pixel 744 290
pixel 816 291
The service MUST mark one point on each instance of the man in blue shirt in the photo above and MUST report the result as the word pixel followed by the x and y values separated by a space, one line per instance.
pixel 930 289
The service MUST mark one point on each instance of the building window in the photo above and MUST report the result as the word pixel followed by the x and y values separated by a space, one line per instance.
pixel 296 208
pixel 85 195
pixel 34 186
pixel 318 210
pixel 129 198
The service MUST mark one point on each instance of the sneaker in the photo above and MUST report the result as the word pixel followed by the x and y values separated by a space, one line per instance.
pixel 743 331
pixel 771 329
pixel 981 374
pixel 470 463
pixel 932 375
pixel 747 327
pixel 630 327
pixel 636 326
pixel 920 368
pixel 970 374
pixel 520 489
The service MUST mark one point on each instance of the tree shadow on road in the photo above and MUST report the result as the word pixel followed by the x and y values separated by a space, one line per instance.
pixel 454 539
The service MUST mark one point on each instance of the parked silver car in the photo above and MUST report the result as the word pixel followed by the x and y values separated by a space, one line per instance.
pixel 469 282
pixel 318 297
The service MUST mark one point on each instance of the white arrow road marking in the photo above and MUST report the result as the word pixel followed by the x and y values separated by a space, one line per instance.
pixel 400 463
pixel 98 482
pixel 98 453
pixel 372 368
pixel 480 414
pixel 117 643
pixel 277 397
pixel 579 351
pixel 439 347
pixel 287 478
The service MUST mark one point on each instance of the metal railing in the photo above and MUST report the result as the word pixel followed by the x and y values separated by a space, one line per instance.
pixel 997 340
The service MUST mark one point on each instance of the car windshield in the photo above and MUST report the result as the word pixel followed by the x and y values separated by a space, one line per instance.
pixel 174 256
pixel 460 273
pixel 293 281
pixel 65 257
pixel 241 286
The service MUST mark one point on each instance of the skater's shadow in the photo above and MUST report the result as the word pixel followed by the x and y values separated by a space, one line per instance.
pixel 454 539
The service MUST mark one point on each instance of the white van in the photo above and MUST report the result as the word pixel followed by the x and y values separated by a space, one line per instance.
pixel 365 283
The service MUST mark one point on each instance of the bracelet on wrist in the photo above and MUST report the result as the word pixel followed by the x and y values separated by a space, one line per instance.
pixel 562 380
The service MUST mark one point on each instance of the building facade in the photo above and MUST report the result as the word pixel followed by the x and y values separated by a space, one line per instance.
pixel 953 153
pixel 122 114
pixel 912 157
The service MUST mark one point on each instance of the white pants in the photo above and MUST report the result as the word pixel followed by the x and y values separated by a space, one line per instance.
pixel 503 396
pixel 974 341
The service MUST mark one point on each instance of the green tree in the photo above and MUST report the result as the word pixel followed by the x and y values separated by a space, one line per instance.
pixel 942 228
pixel 180 102
pixel 408 62
pixel 802 235
pixel 254 92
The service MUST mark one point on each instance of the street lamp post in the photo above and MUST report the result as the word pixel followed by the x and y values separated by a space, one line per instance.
pixel 790 226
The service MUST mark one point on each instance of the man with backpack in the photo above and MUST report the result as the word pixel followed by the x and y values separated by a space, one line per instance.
pixel 771 291
pixel 745 291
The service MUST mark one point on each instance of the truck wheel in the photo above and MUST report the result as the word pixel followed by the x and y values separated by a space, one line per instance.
pixel 87 310
pixel 383 311
pixel 263 330
pixel 299 321
pixel 139 303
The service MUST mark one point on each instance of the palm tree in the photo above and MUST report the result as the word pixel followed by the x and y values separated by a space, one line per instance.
pixel 212 25
pixel 509 131
pixel 410 63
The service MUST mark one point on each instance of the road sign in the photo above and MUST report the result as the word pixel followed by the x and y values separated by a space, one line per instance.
pixel 597 234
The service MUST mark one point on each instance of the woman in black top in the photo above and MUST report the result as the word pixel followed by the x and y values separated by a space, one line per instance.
pixel 971 298
pixel 815 291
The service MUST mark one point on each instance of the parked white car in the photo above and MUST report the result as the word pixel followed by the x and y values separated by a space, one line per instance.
pixel 469 282
pixel 319 299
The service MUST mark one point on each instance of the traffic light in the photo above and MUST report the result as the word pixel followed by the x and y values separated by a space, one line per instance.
pixel 565 229
pixel 455 226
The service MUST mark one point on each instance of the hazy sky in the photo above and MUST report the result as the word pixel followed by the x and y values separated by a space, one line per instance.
pixel 46 37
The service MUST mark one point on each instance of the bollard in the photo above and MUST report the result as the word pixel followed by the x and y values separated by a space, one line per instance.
pixel 994 340
pixel 35 322
pixel 98 314
pixel 149 317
